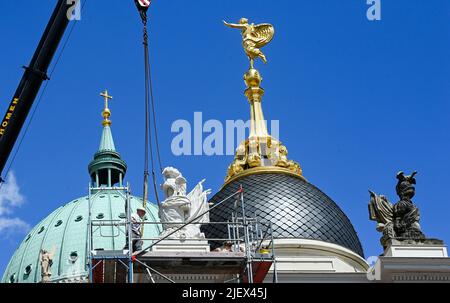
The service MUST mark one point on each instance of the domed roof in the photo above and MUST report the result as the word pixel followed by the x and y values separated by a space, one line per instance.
pixel 65 233
pixel 275 189
pixel 296 208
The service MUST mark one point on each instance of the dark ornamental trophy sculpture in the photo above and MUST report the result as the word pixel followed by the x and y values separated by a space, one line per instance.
pixel 408 255
pixel 399 221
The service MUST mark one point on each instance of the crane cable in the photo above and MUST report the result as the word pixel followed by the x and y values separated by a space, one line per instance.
pixel 153 118
pixel 149 102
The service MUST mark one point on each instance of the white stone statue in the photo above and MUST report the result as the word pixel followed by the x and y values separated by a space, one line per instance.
pixel 179 207
pixel 46 259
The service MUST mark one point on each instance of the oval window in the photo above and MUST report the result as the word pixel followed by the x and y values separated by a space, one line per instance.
pixel 122 216
pixel 73 257
pixel 41 229
pixel 12 278
pixel 79 218
pixel 100 216
pixel 28 237
pixel 58 223
pixel 27 270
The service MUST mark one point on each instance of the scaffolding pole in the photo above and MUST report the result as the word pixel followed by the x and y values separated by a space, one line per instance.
pixel 247 239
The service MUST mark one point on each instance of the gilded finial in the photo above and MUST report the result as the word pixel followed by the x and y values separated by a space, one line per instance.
pixel 106 112
pixel 254 37
pixel 261 152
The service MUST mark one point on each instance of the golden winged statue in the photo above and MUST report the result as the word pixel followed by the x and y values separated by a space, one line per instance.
pixel 254 37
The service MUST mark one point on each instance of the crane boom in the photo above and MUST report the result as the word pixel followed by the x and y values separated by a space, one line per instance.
pixel 32 79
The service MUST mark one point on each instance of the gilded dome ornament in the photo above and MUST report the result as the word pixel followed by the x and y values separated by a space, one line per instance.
pixel 254 37
pixel 106 112
pixel 260 153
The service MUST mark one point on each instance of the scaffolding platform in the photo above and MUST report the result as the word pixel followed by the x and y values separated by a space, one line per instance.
pixel 246 257
pixel 198 266
pixel 197 261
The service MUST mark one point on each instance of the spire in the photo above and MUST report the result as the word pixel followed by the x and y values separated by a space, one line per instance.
pixel 107 168
pixel 260 152
pixel 107 141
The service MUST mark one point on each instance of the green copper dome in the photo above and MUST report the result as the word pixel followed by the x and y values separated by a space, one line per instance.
pixel 64 232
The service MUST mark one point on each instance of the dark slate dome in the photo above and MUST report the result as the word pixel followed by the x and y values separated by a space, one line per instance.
pixel 296 208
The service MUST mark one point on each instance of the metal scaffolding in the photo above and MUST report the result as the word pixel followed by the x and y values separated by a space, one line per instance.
pixel 247 259
pixel 110 265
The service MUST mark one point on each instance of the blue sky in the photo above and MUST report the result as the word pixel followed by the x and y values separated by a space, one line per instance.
pixel 357 100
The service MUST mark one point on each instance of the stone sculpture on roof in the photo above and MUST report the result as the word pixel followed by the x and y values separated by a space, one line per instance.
pixel 46 258
pixel 400 220
pixel 179 207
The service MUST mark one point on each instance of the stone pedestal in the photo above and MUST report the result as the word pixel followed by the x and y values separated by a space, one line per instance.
pixel 179 245
pixel 428 248
pixel 412 261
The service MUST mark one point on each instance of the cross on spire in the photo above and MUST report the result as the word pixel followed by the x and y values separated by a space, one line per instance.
pixel 106 112
pixel 107 97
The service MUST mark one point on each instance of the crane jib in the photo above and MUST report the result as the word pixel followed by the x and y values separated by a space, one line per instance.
pixel 34 75
pixel 8 116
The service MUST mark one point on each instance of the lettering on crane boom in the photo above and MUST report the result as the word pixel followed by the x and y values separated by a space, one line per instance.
pixel 8 116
